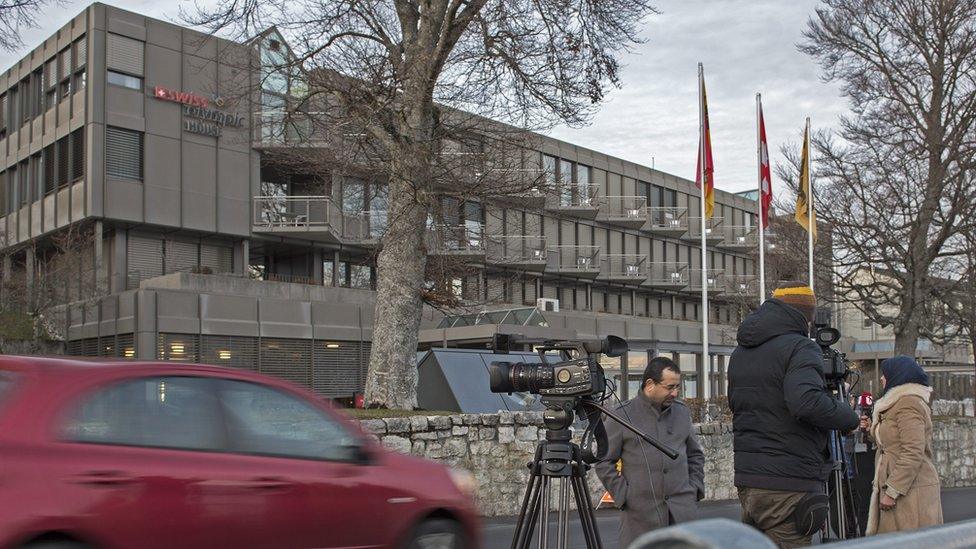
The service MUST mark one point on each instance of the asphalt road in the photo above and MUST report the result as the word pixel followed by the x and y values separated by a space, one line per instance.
pixel 957 504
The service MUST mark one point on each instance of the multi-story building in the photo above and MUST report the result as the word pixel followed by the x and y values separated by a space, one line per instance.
pixel 202 249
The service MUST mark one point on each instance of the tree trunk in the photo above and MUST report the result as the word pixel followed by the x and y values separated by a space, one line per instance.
pixel 392 380
pixel 906 338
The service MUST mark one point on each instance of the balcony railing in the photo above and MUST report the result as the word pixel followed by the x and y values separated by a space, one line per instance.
pixel 740 237
pixel 526 252
pixel 743 285
pixel 278 128
pixel 581 261
pixel 713 230
pixel 624 267
pixel 667 221
pixel 715 278
pixel 668 274
pixel 578 200
pixel 297 214
pixel 630 211
pixel 456 240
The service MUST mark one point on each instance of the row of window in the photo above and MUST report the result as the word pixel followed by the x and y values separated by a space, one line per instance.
pixel 55 167
pixel 573 182
pixel 41 90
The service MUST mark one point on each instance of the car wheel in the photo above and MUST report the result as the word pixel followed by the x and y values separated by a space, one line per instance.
pixel 437 534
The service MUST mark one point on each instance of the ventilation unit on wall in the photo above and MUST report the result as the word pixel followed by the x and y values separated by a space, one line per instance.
pixel 547 304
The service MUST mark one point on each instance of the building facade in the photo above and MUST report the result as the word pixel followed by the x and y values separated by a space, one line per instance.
pixel 197 247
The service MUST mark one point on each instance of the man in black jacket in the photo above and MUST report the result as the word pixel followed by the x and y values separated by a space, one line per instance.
pixel 781 416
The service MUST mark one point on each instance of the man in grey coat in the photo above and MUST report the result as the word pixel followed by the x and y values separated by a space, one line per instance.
pixel 651 489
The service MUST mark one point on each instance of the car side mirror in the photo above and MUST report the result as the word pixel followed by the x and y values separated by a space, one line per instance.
pixel 360 452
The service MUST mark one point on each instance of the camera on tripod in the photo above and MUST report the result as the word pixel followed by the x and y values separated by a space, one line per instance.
pixel 835 362
pixel 578 374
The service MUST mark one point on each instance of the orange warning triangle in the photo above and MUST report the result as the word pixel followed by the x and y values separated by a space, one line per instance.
pixel 607 498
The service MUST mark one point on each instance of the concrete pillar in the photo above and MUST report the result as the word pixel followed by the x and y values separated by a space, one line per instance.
pixel 722 382
pixel 120 261
pixel 242 256
pixel 317 265
pixel 335 269
pixel 100 276
pixel 589 297
pixel 700 370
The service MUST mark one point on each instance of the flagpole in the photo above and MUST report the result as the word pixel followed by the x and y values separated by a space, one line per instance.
pixel 706 358
pixel 809 207
pixel 759 206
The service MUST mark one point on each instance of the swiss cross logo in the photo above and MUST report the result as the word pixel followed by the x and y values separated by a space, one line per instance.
pixel 186 98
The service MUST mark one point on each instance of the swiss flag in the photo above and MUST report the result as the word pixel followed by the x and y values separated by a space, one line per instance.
pixel 765 178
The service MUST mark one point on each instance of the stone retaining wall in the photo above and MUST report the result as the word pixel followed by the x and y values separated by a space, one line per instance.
pixel 497 447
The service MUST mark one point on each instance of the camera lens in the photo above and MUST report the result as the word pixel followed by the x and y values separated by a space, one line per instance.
pixel 510 377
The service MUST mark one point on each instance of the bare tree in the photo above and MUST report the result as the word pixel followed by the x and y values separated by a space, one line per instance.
pixel 401 74
pixel 17 15
pixel 892 180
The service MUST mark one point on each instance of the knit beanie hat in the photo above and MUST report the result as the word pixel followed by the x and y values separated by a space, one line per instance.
pixel 799 297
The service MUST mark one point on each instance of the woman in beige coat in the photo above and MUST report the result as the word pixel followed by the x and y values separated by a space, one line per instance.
pixel 906 485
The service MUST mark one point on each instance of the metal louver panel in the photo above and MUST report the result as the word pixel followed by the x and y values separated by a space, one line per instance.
pixel 125 346
pixel 340 367
pixel 218 259
pixel 85 347
pixel 288 359
pixel 123 153
pixel 106 346
pixel 145 260
pixel 234 351
pixel 180 256
pixel 178 347
pixel 81 52
pixel 125 54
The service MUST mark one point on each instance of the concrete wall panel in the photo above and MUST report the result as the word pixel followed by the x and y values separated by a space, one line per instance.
pixel 199 170
pixel 234 201
pixel 338 321
pixel 228 315
pixel 280 318
pixel 178 312
pixel 162 180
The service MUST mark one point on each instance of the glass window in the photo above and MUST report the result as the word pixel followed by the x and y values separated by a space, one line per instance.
pixel 327 269
pixel 565 183
pixel 353 196
pixel 6 383
pixel 265 421
pixel 123 153
pixel 583 181
pixel 124 80
pixel 162 412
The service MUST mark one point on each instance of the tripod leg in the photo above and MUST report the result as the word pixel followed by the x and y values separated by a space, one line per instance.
pixel 581 494
pixel 546 508
pixel 562 524
pixel 527 515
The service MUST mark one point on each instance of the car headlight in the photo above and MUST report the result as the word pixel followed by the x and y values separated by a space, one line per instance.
pixel 464 481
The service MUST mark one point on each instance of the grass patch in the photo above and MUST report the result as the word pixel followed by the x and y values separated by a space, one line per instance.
pixel 380 413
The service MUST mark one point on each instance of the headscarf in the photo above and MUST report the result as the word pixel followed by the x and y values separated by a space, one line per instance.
pixel 901 369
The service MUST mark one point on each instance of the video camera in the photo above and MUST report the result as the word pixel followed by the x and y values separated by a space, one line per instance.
pixel 835 362
pixel 578 374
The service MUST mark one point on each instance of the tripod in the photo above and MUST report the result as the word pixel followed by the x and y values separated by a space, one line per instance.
pixel 843 516
pixel 559 459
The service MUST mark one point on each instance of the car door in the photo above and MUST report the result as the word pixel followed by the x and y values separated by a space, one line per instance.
pixel 317 492
pixel 130 458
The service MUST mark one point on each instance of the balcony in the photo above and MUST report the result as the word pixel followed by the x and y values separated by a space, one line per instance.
pixel 672 222
pixel 528 253
pixel 623 268
pixel 581 261
pixel 713 230
pixel 461 241
pixel 628 211
pixel 667 275
pixel 314 217
pixel 740 238
pixel 580 201
pixel 742 285
pixel 715 277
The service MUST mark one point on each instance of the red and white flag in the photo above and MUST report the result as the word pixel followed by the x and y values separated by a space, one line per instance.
pixel 765 178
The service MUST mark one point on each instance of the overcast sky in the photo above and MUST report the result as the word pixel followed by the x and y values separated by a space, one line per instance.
pixel 747 46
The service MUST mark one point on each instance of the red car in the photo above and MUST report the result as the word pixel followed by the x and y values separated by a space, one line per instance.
pixel 113 454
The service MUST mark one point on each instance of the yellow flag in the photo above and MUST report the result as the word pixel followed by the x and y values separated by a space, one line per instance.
pixel 803 198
